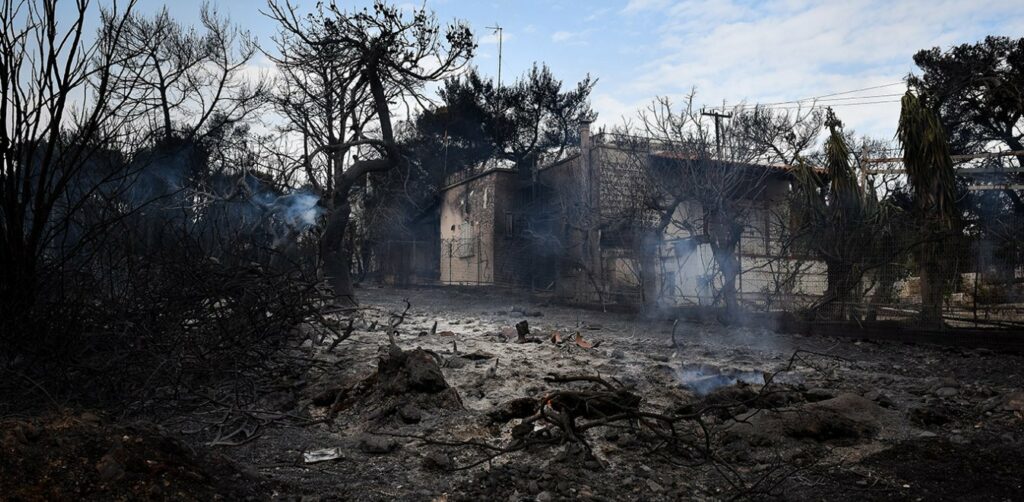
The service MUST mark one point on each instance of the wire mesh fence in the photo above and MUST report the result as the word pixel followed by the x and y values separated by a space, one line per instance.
pixel 402 262
pixel 982 279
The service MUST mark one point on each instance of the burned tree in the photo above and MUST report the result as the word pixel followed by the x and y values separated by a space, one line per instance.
pixel 528 123
pixel 123 281
pixel 843 222
pixel 186 83
pixel 48 144
pixel 533 121
pixel 930 172
pixel 703 184
pixel 191 100
pixel 349 67
pixel 975 88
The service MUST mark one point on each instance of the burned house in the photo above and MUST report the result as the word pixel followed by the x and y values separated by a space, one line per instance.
pixel 476 208
pixel 588 227
pixel 485 230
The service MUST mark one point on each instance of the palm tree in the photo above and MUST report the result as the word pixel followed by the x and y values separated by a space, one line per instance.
pixel 929 169
pixel 845 224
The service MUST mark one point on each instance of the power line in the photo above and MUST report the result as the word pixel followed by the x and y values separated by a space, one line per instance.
pixel 821 97
pixel 855 90
pixel 819 100
pixel 817 106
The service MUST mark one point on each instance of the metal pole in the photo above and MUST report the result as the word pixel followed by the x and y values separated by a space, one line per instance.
pixel 498 29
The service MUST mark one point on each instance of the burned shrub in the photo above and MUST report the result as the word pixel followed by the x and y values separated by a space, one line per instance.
pixel 164 282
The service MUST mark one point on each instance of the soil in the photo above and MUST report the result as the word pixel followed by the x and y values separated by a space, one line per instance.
pixel 85 457
pixel 848 420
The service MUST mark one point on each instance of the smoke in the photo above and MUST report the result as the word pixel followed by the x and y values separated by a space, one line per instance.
pixel 299 210
pixel 175 195
pixel 705 378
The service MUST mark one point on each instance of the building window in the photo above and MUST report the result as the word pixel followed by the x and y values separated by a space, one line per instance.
pixel 464 247
pixel 510 222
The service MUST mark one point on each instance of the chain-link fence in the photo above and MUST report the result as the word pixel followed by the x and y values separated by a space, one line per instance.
pixel 980 275
pixel 978 278
pixel 403 262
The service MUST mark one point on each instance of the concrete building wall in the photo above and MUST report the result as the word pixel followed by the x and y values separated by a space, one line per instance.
pixel 564 181
pixel 470 226
pixel 685 268
pixel 622 182
pixel 769 272
pixel 505 245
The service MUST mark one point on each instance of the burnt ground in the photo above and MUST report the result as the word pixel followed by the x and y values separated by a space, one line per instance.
pixel 846 419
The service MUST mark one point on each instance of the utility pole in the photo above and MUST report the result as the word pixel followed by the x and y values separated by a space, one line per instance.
pixel 718 118
pixel 498 29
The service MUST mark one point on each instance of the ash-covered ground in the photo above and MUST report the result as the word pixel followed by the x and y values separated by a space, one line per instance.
pixel 847 419
pixel 451 406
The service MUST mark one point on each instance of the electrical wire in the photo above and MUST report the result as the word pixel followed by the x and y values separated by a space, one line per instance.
pixel 824 97
pixel 815 105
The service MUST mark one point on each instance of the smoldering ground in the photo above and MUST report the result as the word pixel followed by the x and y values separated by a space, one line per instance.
pixel 844 414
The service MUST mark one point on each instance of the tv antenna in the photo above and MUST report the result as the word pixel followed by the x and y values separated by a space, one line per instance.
pixel 498 29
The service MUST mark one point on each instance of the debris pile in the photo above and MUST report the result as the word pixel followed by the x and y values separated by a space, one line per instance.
pixel 405 383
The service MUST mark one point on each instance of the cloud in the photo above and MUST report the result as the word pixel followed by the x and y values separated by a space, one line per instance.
pixel 612 111
pixel 492 38
pixel 562 36
pixel 597 14
pixel 258 68
pixel 573 37
pixel 781 50
pixel 635 6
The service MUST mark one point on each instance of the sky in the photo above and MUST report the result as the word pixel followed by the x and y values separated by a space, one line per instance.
pixel 728 51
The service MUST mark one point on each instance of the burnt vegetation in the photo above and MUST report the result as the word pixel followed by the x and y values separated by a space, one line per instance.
pixel 183 238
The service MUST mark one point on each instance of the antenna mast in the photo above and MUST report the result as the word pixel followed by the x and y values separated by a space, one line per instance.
pixel 498 29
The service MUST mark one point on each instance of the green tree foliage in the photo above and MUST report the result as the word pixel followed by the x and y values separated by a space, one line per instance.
pixel 978 91
pixel 528 123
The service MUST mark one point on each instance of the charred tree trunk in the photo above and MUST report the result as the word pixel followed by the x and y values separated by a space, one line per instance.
pixel 648 254
pixel 724 237
pixel 937 266
pixel 931 293
pixel 730 268
pixel 935 276
pixel 334 247
pixel 841 281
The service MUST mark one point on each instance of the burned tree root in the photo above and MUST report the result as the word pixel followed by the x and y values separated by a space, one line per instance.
pixel 405 383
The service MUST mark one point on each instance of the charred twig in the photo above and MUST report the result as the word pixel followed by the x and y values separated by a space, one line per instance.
pixel 397 319
pixel 579 378
pixel 341 337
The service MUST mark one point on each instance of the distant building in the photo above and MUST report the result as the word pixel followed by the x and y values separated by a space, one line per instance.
pixel 572 227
